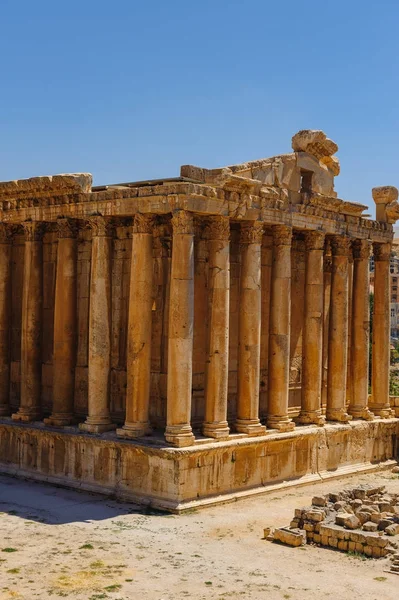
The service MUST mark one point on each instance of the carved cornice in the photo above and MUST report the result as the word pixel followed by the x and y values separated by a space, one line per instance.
pixel 361 249
pixel 219 228
pixel 282 235
pixel 33 230
pixel 251 232
pixel 314 240
pixel 382 251
pixel 340 245
pixel 183 222
pixel 67 228
pixel 100 226
pixel 143 223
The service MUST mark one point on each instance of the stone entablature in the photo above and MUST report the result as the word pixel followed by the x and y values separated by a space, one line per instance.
pixel 232 301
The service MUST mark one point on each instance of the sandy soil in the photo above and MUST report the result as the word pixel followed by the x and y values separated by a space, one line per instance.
pixel 61 543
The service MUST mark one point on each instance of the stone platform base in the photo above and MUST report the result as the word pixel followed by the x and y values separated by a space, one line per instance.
pixel 177 479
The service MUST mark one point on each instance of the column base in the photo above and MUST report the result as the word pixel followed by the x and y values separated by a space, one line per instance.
pixel 251 427
pixel 93 427
pixel 384 412
pixel 361 413
pixel 340 415
pixel 4 410
pixel 179 435
pixel 218 430
pixel 26 415
pixel 134 430
pixel 311 417
pixel 60 420
pixel 282 424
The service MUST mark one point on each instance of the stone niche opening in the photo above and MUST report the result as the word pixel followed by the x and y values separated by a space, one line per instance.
pixel 306 181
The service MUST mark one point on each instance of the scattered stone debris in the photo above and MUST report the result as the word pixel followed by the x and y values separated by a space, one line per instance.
pixel 362 520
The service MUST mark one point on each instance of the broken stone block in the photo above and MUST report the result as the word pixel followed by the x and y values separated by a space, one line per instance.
pixel 395 469
pixel 375 517
pixel 319 501
pixel 384 523
pixel 392 529
pixel 315 515
pixel 359 493
pixel 347 520
pixel 370 526
pixel 290 537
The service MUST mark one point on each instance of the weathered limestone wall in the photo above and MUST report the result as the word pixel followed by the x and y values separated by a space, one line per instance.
pixel 175 479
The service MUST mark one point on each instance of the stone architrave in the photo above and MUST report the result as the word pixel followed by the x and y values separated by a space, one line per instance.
pixel 32 315
pixel 5 316
pixel 359 366
pixel 65 324
pixel 379 403
pixel 338 332
pixel 280 325
pixel 181 322
pixel 313 330
pixel 249 330
pixel 137 421
pixel 217 368
pixel 98 419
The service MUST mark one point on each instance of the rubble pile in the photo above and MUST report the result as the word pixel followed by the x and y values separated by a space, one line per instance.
pixel 364 520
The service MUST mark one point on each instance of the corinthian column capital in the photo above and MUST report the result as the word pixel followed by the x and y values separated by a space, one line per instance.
pixel 361 249
pixel 314 240
pixel 340 245
pixel 251 232
pixel 183 222
pixel 34 230
pixel 219 228
pixel 67 228
pixel 282 235
pixel 382 251
pixel 6 231
pixel 100 226
pixel 143 223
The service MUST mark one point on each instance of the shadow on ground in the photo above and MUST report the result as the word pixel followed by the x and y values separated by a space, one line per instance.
pixel 54 505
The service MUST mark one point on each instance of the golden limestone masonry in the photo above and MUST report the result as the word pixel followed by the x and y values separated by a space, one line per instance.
pixel 185 341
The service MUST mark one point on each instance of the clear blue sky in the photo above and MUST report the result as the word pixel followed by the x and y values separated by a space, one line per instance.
pixel 131 90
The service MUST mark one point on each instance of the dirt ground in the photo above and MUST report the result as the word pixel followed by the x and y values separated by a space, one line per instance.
pixel 61 543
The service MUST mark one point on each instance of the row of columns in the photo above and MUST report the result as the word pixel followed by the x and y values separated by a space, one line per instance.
pixel 181 321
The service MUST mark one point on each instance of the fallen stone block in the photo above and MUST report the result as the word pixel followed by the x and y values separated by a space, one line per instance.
pixel 392 529
pixel 319 501
pixel 370 526
pixel 290 537
pixel 347 520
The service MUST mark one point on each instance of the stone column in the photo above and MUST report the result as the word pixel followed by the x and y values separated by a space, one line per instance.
pixel 98 419
pixel 280 325
pixel 137 421
pixel 65 326
pixel 338 332
pixel 359 366
pixel 249 330
pixel 313 330
pixel 326 319
pixel 5 317
pixel 31 329
pixel 217 370
pixel 379 403
pixel 181 322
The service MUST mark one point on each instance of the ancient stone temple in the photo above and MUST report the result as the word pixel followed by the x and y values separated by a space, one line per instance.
pixel 188 340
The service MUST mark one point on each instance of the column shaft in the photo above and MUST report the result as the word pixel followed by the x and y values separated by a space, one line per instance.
pixel 338 332
pixel 181 322
pixel 65 325
pixel 137 421
pixel 313 330
pixel 280 326
pixel 31 330
pixel 359 365
pixel 98 419
pixel 217 369
pixel 379 404
pixel 5 317
pixel 249 330
pixel 326 320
